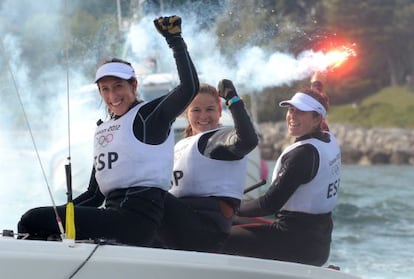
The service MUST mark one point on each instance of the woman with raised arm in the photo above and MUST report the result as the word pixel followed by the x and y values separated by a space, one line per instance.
pixel 133 152
pixel 302 195
pixel 209 172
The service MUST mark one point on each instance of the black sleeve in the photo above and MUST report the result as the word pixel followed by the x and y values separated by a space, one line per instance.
pixel 153 121
pixel 299 166
pixel 233 143
pixel 92 196
pixel 181 96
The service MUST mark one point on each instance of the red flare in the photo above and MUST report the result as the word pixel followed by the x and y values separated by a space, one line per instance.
pixel 336 57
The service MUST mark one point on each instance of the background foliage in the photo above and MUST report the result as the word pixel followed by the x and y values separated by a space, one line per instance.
pixel 381 30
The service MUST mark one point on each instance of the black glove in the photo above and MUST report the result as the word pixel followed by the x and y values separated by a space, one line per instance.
pixel 168 26
pixel 226 89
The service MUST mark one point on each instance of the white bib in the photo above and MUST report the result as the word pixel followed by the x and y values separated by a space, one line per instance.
pixel 320 195
pixel 197 175
pixel 121 161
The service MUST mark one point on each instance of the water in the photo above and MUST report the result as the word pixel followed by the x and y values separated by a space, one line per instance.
pixel 374 224
pixel 373 235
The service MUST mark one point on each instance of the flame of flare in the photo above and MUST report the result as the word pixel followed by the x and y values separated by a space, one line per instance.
pixel 334 58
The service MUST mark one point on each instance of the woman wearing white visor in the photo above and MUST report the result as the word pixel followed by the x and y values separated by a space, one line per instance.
pixel 303 192
pixel 133 152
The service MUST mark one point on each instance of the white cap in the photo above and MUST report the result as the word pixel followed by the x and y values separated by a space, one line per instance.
pixel 115 69
pixel 304 102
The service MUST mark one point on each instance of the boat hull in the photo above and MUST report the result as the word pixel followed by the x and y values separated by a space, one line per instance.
pixel 50 259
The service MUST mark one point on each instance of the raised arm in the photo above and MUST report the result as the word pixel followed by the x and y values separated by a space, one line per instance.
pixel 180 97
pixel 231 144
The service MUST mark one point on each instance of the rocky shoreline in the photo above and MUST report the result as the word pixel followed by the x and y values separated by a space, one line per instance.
pixel 358 145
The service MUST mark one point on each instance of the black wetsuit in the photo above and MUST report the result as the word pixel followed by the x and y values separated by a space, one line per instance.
pixel 130 215
pixel 203 223
pixel 293 236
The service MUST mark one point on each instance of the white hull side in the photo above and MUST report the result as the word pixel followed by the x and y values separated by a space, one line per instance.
pixel 48 259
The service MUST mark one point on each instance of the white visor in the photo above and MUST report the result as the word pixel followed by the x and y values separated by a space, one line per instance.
pixel 305 102
pixel 115 69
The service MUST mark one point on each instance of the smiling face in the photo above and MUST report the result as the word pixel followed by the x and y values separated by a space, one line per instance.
pixel 301 123
pixel 203 113
pixel 118 94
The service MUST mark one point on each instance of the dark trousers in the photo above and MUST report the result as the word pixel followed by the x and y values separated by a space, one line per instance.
pixel 130 216
pixel 194 224
pixel 301 238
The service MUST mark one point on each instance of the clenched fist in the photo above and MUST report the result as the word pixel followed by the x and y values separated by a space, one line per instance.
pixel 226 89
pixel 168 26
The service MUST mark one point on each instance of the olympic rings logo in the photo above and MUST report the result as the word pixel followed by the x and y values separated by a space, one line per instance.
pixel 104 140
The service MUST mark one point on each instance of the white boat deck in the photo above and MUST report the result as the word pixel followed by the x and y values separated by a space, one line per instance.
pixel 49 259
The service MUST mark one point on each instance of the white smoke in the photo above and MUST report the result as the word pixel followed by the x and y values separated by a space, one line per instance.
pixel 255 67
pixel 34 142
pixel 23 185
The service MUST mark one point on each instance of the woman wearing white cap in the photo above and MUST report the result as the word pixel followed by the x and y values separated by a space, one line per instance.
pixel 302 195
pixel 133 153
